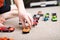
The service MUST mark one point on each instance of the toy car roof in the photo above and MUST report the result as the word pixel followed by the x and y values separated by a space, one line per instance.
pixel 47 13
pixel 53 13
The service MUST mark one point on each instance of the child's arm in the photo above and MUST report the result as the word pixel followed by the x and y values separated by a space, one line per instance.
pixel 23 15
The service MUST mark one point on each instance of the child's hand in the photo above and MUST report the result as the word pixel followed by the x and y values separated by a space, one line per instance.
pixel 25 16
pixel 2 20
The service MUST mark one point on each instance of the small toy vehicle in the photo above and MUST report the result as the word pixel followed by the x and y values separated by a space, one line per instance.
pixel 25 30
pixel 7 29
pixel 5 38
pixel 40 13
pixel 54 17
pixel 46 17
pixel 36 16
pixel 35 22
pixel 35 19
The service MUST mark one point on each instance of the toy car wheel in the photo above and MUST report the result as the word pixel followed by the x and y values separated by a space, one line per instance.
pixel 0 28
pixel 11 29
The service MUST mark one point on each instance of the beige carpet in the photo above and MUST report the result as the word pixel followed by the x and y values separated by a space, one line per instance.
pixel 43 31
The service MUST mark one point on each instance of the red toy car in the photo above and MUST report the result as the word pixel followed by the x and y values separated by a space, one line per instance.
pixel 5 38
pixel 7 29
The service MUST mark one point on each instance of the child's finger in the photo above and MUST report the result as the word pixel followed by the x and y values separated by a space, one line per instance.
pixel 30 18
pixel 29 22
pixel 3 19
pixel 22 21
pixel 1 24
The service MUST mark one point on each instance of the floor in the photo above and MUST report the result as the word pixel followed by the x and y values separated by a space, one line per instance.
pixel 43 31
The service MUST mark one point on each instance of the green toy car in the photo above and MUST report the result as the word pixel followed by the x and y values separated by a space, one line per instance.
pixel 54 17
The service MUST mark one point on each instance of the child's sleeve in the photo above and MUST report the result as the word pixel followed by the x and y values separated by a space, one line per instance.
pixel 1 3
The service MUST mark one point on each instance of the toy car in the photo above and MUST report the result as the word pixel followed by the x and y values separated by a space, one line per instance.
pixel 37 16
pixel 25 30
pixel 46 17
pixel 35 22
pixel 35 19
pixel 40 13
pixel 7 29
pixel 5 38
pixel 54 17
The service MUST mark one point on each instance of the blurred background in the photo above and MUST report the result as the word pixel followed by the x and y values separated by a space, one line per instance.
pixel 37 3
